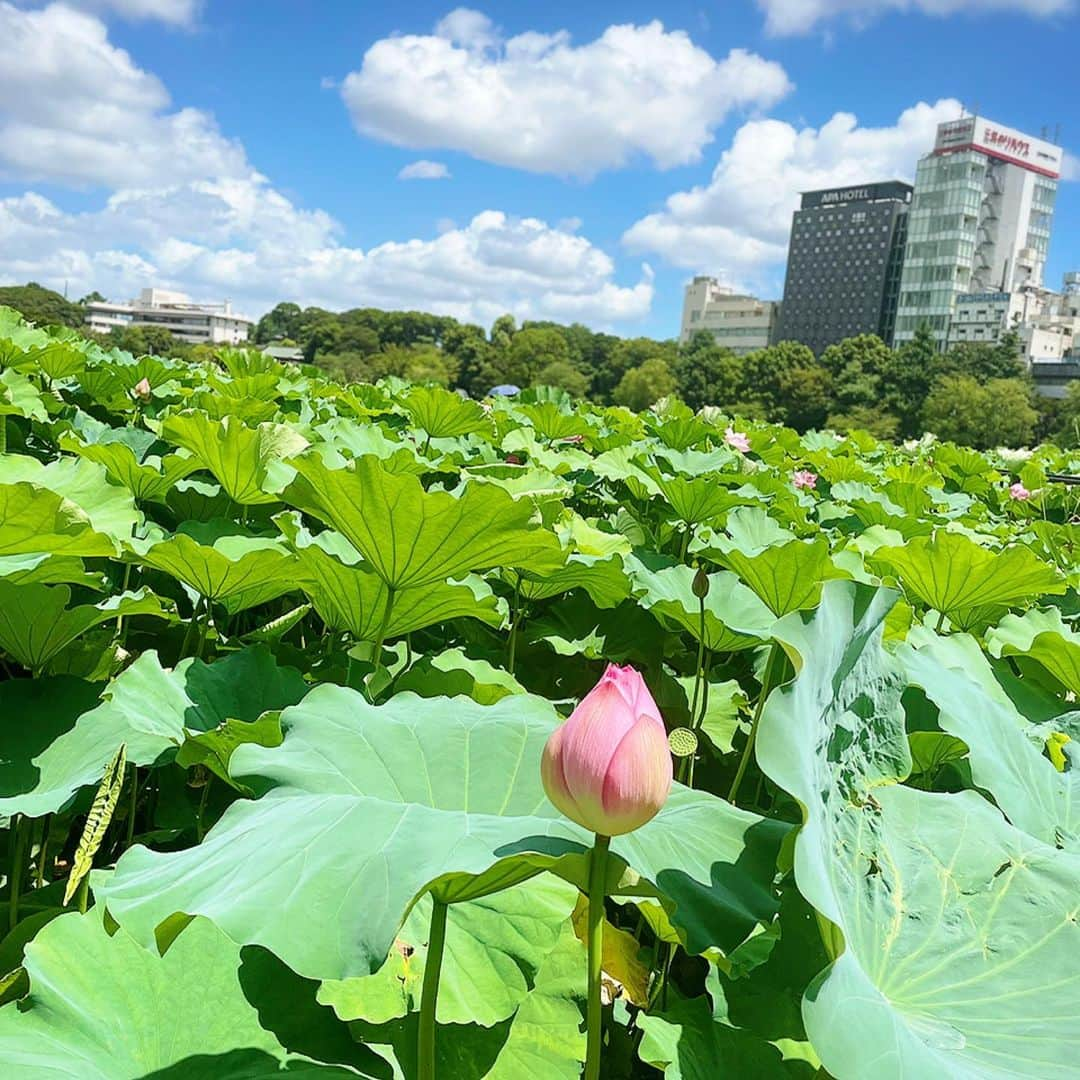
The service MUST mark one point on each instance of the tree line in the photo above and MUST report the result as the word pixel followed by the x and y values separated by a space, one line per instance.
pixel 974 394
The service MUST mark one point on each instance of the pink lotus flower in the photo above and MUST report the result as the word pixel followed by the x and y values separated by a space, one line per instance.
pixel 142 390
pixel 737 439
pixel 575 439
pixel 608 767
pixel 804 479
pixel 1018 491
pixel 512 459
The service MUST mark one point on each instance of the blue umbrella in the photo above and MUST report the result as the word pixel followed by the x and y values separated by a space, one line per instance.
pixel 504 390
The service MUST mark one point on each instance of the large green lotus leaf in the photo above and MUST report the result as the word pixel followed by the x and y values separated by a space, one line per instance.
pixel 543 1041
pixel 33 519
pixel 351 596
pixel 151 478
pixel 451 673
pixel 110 508
pixel 239 571
pixel 1044 637
pixel 442 414
pixel 952 574
pixel 751 529
pixel 604 579
pixel 551 423
pixel 339 433
pixel 787 577
pixel 687 1041
pixel 1006 750
pixel 239 457
pixel 371 805
pixel 734 616
pixel 36 622
pixel 696 499
pixel 494 947
pixel 146 708
pixel 41 568
pixel 103 1008
pixel 959 931
pixel 20 397
pixel 411 537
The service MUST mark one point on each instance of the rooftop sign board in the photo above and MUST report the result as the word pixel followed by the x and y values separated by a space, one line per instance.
pixel 1006 144
pixel 893 189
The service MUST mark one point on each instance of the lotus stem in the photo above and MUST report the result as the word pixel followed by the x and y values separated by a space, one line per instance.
pixel 748 750
pixel 134 803
pixel 43 852
pixel 21 827
pixel 3 434
pixel 383 627
pixel 425 1047
pixel 594 1018
pixel 515 618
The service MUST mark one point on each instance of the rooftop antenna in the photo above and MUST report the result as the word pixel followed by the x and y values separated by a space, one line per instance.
pixel 1057 134
pixel 65 288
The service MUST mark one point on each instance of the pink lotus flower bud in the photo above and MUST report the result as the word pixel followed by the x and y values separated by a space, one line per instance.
pixel 608 767
pixel 804 479
pixel 1018 491
pixel 142 390
pixel 737 439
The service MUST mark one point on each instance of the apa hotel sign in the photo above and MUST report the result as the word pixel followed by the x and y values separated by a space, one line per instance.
pixel 853 194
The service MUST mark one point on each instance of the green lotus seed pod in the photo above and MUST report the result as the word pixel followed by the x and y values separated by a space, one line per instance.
pixel 683 742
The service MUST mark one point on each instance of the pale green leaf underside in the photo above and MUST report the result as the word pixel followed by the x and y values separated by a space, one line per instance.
pixel 961 931
pixel 372 804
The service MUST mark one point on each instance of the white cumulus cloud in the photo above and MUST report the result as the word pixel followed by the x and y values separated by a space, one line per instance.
pixel 738 223
pixel 76 109
pixel 539 102
pixel 424 170
pixel 802 16
pixel 184 208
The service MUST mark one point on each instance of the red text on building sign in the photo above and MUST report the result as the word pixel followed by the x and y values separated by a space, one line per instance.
pixel 1008 142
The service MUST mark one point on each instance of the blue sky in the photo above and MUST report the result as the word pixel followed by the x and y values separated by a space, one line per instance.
pixel 586 158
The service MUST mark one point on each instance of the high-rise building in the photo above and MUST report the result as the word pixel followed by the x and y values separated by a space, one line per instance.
pixel 844 260
pixel 738 322
pixel 979 222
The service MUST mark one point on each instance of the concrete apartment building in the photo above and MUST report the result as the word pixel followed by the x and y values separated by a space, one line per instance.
pixel 979 225
pixel 194 324
pixel 738 322
pixel 844 260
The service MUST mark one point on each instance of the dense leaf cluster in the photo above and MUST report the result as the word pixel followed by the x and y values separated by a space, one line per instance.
pixel 279 656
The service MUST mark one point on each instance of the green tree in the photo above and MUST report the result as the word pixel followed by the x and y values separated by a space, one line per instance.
pixel 857 366
pixel 1000 413
pixel 880 424
pixel 42 306
pixel 281 321
pixel 805 396
pixel 625 354
pixel 641 386
pixel 707 373
pixel 983 361
pixel 532 349
pixel 906 380
pixel 563 375
pixel 767 375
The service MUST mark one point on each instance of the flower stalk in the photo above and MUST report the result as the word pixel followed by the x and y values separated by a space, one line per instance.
pixel 425 1047
pixel 594 1017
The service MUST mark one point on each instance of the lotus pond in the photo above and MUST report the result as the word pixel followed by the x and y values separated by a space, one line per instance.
pixel 280 659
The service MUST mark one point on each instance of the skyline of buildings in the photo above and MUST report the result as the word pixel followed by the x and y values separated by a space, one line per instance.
pixel 962 251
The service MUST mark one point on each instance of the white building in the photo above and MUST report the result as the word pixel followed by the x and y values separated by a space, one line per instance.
pixel 195 324
pixel 979 222
pixel 738 322
pixel 1047 322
